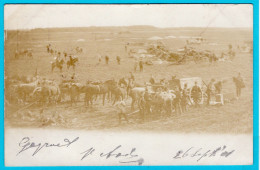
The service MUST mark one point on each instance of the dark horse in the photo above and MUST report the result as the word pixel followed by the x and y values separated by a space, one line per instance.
pixel 72 62
pixel 58 64
pixel 107 88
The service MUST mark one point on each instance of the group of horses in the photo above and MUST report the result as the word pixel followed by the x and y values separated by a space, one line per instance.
pixel 24 53
pixel 60 61
pixel 47 92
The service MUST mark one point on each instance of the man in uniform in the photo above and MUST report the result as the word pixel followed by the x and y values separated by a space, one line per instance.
pixel 118 60
pixel 184 98
pixel 141 104
pixel 147 101
pixel 141 65
pixel 239 84
pixel 210 90
pixel 107 59
pixel 177 101
pixel 196 94
pixel 152 81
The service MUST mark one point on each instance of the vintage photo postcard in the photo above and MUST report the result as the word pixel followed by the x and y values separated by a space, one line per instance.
pixel 128 84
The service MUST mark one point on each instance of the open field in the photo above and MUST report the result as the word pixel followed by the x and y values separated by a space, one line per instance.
pixel 234 117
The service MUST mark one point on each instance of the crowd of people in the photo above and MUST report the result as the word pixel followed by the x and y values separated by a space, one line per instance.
pixel 184 97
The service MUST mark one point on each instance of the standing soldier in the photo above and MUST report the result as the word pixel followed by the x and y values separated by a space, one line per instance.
pixel 196 94
pixel 65 55
pixel 210 90
pixel 239 84
pixel 177 101
pixel 141 65
pixel 152 81
pixel 184 98
pixel 141 104
pixel 118 60
pixel 147 101
pixel 121 106
pixel 107 59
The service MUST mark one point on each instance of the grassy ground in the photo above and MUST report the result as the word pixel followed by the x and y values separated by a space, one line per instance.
pixel 234 117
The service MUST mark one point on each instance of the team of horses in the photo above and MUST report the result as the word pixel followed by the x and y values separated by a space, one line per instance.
pixel 47 92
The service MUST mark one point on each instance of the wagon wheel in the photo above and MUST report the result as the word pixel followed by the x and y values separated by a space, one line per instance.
pixel 192 96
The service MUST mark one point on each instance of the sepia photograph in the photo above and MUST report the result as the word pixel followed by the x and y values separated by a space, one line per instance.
pixel 128 84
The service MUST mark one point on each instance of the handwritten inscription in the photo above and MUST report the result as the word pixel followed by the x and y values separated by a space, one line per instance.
pixel 119 153
pixel 199 153
pixel 26 144
pixel 123 157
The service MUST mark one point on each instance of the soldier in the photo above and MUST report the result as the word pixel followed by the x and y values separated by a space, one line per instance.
pixel 118 60
pixel 147 101
pixel 141 65
pixel 152 81
pixel 65 55
pixel 107 59
pixel 121 106
pixel 184 98
pixel 210 90
pixel 141 104
pixel 239 84
pixel 177 101
pixel 196 94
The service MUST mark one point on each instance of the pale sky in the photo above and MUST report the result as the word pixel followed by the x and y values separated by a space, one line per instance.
pixel 46 16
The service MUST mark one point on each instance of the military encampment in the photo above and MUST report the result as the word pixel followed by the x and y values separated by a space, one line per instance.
pixel 166 79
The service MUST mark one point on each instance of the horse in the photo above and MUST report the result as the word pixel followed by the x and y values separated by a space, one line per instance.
pixel 118 92
pixel 163 102
pixel 75 89
pixel 47 93
pixel 72 62
pixel 106 88
pixel 90 90
pixel 58 64
pixel 135 93
pixel 123 82
pixel 25 90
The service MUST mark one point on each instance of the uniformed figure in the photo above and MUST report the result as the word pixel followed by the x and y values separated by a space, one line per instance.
pixel 152 81
pixel 141 104
pixel 141 65
pixel 239 84
pixel 107 59
pixel 184 98
pixel 121 106
pixel 210 90
pixel 196 94
pixel 177 101
pixel 147 101
pixel 118 60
